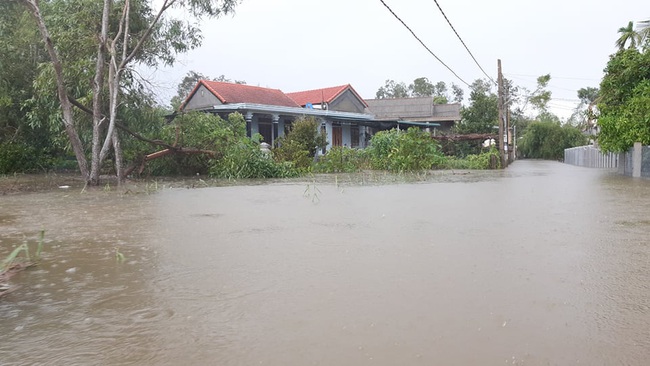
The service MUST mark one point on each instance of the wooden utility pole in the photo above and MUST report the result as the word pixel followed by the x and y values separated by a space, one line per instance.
pixel 501 141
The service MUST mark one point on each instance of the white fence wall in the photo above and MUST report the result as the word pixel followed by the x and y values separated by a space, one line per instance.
pixel 591 157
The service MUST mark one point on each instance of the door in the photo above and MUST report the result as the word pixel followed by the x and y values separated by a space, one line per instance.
pixel 337 136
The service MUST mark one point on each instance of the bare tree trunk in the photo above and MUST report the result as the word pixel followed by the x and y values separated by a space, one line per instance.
pixel 66 106
pixel 114 75
pixel 98 85
pixel 117 149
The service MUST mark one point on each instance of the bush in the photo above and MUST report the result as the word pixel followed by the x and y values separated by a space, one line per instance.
pixel 245 160
pixel 342 160
pixel 547 140
pixel 485 160
pixel 300 145
pixel 20 157
pixel 400 151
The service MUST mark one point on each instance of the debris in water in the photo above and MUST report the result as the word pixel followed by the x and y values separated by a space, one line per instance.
pixel 64 187
pixel 504 323
pixel 71 270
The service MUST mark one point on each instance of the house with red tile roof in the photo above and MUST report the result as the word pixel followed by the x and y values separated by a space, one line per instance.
pixel 270 112
pixel 348 119
pixel 338 98
pixel 208 93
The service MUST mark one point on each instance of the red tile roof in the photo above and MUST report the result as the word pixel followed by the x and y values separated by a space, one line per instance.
pixel 326 95
pixel 229 93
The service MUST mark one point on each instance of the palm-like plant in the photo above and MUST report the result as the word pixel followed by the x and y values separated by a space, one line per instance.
pixel 644 31
pixel 628 34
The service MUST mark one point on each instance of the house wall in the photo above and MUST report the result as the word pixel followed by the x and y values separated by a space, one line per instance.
pixel 201 99
pixel 347 102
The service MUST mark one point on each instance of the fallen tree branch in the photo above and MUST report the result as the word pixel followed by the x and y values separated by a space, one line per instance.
pixel 140 163
pixel 466 137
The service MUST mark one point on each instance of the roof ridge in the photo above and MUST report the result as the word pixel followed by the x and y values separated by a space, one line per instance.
pixel 317 89
pixel 242 85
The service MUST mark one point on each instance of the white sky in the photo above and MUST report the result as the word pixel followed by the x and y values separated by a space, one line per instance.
pixel 296 45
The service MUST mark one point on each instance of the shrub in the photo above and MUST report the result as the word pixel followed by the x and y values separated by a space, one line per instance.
pixel 342 160
pixel 400 151
pixel 547 140
pixel 486 160
pixel 299 146
pixel 245 160
pixel 20 157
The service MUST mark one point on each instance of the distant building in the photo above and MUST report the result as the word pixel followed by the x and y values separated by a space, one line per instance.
pixel 420 111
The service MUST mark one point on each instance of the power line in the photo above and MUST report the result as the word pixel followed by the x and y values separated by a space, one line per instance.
pixel 422 43
pixel 461 41
pixel 556 77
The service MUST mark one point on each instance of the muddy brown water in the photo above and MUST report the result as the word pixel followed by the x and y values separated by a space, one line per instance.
pixel 541 264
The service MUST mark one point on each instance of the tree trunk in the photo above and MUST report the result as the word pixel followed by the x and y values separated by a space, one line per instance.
pixel 98 86
pixel 117 149
pixel 66 106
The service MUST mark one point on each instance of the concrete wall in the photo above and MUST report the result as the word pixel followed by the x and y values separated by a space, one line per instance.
pixel 591 157
pixel 635 162
pixel 201 99
pixel 347 102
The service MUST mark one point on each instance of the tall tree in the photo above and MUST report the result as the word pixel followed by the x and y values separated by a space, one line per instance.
pixel 392 89
pixel 624 102
pixel 122 33
pixel 421 87
pixel 540 97
pixel 481 116
pixel 588 95
pixel 644 31
pixel 628 35
pixel 458 93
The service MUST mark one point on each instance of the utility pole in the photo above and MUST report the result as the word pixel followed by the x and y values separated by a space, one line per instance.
pixel 501 139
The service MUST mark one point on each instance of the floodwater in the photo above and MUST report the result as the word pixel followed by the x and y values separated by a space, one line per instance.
pixel 541 264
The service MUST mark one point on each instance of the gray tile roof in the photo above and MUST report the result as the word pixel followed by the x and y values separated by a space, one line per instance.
pixel 413 109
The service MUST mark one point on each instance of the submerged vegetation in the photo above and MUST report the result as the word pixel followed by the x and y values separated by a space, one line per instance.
pixel 295 154
pixel 19 259
pixel 235 156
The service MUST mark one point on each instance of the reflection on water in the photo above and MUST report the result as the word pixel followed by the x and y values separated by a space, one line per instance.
pixel 540 264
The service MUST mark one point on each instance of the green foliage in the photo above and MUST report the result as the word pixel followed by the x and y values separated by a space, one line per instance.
pixel 392 89
pixel 300 145
pixel 21 53
pixel 540 97
pixel 245 160
pixel 15 258
pixel 547 140
pixel 202 131
pixel 628 34
pixel 482 115
pixel 401 151
pixel 588 95
pixel 18 156
pixel 485 160
pixel 624 96
pixel 421 87
pixel 341 159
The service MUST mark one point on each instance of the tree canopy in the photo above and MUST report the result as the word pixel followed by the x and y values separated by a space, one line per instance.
pixel 91 47
pixel 624 102
pixel 420 87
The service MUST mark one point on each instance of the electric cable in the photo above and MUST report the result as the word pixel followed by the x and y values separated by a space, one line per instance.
pixel 422 43
pixel 461 41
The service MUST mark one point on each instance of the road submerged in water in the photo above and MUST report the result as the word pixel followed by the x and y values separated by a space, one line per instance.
pixel 540 264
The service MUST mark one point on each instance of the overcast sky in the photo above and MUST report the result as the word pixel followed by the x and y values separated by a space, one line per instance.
pixel 296 45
